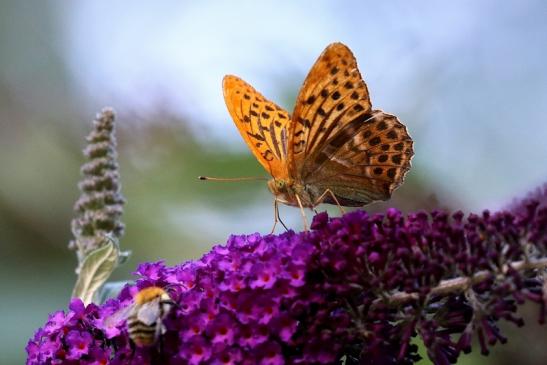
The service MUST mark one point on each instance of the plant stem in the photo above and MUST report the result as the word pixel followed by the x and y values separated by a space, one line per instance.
pixel 461 284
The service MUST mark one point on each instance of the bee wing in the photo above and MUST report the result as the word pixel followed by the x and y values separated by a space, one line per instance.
pixel 149 312
pixel 118 316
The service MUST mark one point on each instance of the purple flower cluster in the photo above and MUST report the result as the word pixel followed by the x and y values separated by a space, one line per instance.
pixel 358 287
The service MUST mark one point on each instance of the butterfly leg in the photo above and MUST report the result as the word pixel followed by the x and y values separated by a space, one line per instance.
pixel 276 215
pixel 302 212
pixel 281 221
pixel 329 191
pixel 276 212
pixel 277 218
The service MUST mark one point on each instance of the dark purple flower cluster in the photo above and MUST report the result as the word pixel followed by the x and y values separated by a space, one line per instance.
pixel 357 287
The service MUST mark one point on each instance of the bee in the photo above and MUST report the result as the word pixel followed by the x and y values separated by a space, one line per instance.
pixel 144 317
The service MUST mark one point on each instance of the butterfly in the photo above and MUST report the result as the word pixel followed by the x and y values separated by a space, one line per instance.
pixel 335 148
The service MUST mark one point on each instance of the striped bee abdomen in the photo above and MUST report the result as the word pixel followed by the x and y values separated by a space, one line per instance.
pixel 140 333
pixel 145 320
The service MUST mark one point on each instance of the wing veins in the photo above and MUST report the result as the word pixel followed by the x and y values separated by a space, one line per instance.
pixel 327 133
pixel 315 116
pixel 274 139
pixel 338 175
pixel 348 125
pixel 260 131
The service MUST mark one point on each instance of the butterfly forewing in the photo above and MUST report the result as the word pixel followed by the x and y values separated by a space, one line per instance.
pixel 332 95
pixel 261 124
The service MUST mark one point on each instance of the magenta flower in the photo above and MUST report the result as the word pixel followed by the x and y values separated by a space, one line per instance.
pixel 222 330
pixel 197 351
pixel 78 344
pixel 226 355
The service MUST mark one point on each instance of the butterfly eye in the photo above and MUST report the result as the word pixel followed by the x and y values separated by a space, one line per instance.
pixel 280 184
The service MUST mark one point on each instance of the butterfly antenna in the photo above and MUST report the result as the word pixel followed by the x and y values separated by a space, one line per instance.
pixel 248 178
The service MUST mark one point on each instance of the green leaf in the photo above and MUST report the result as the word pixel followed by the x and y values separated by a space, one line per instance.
pixel 95 269
pixel 110 290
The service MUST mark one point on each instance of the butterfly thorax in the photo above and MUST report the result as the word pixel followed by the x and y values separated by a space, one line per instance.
pixel 286 191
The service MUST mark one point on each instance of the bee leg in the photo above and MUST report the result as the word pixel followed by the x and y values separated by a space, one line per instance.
pixel 329 191
pixel 302 212
pixel 160 345
pixel 157 353
pixel 133 350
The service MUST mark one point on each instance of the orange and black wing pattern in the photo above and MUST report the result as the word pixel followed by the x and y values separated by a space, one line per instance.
pixel 262 124
pixel 333 94
pixel 336 140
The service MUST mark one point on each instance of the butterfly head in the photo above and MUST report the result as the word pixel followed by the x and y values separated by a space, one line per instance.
pixel 281 189
pixel 277 186
pixel 285 191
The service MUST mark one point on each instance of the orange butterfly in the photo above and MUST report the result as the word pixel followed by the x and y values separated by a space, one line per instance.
pixel 335 148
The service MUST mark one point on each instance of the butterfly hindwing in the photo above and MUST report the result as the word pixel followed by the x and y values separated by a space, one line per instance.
pixel 365 161
pixel 333 95
pixel 262 124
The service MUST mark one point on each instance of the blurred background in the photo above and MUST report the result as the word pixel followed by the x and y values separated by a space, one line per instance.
pixel 468 78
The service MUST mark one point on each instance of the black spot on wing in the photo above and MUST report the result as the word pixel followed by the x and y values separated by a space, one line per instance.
pixel 268 155
pixel 256 136
pixel 375 140
pixel 392 134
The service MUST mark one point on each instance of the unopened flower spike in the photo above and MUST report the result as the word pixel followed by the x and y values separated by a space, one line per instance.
pixel 97 226
pixel 100 206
